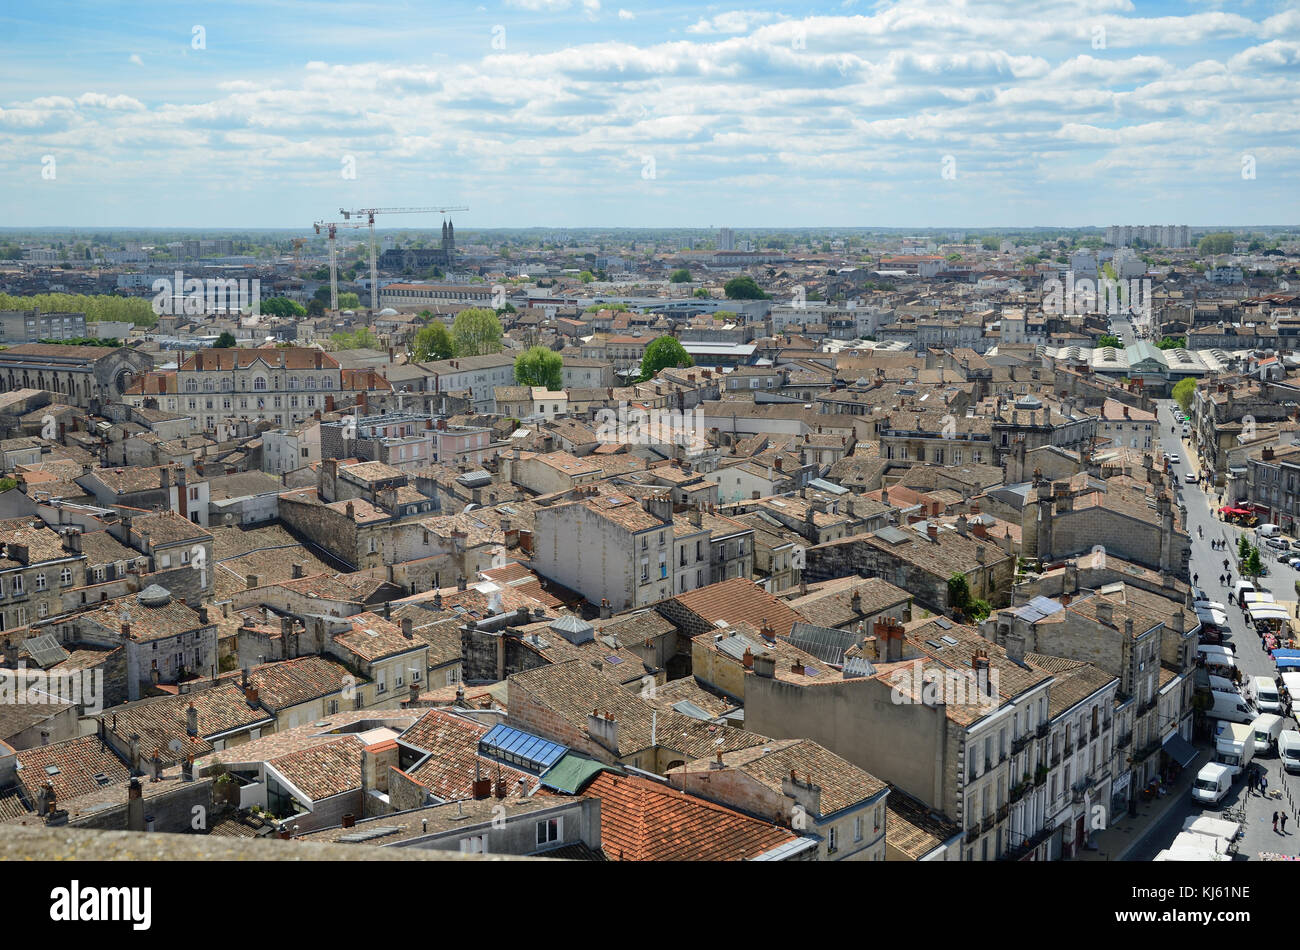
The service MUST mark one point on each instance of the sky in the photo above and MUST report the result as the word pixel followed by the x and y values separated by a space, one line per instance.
pixel 601 113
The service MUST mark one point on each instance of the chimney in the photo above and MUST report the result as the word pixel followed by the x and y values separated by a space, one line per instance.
pixel 1105 611
pixel 604 729
pixel 126 630
pixel 192 721
pixel 135 805
pixel 765 665
pixel 250 694
pixel 407 628
pixel 932 530
pixel 349 820
pixel 748 659
pixel 605 610
pixel 298 570
pixel 889 639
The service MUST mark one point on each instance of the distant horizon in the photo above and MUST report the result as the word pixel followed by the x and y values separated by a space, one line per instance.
pixel 471 229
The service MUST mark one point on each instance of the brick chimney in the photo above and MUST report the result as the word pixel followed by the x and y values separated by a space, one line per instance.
pixel 932 531
pixel 604 729
pixel 1105 611
pixel 889 639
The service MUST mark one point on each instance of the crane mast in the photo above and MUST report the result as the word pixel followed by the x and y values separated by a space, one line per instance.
pixel 369 214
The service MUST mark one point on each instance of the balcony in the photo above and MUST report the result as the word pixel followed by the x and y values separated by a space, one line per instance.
pixel 987 824
pixel 1040 777
pixel 973 833
pixel 1018 791
pixel 1055 760
pixel 1003 811
pixel 1019 742
pixel 1096 732
pixel 1125 739
pixel 1149 705
pixel 1043 729
pixel 1147 751
pixel 1022 848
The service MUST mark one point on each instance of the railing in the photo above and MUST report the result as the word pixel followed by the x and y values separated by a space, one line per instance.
pixel 1096 731
pixel 1019 850
pixel 987 824
pixel 1003 811
pixel 1147 751
pixel 1018 744
pixel 1055 760
pixel 1125 739
pixel 1043 729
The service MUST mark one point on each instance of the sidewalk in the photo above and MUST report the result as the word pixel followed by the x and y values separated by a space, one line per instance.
pixel 1125 832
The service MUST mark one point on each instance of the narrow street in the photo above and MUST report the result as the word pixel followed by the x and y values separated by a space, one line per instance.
pixel 1254 812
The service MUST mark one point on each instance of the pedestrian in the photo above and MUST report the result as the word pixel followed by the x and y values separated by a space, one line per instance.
pixel 1263 785
pixel 1196 578
pixel 1282 816
pixel 1275 821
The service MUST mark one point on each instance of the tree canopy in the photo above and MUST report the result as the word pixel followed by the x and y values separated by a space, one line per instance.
pixel 664 351
pixel 432 342
pixel 1184 389
pixel 538 366
pixel 680 276
pixel 743 288
pixel 476 332
pixel 226 341
pixel 283 307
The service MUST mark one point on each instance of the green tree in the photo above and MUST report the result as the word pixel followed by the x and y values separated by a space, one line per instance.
pixel 743 288
pixel 315 308
pixel 586 277
pixel 349 301
pixel 1184 390
pixel 958 593
pixel 538 366
pixel 8 484
pixel 701 292
pixel 226 341
pixel 1254 566
pixel 664 351
pixel 1172 343
pixel 1109 340
pixel 1218 243
pixel 476 331
pixel 680 276
pixel 283 307
pixel 362 339
pixel 1243 548
pixel 432 342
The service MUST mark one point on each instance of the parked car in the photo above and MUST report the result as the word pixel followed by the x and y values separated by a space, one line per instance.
pixel 1278 544
pixel 1190 478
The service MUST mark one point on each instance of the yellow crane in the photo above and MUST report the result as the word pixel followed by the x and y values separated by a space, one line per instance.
pixel 369 215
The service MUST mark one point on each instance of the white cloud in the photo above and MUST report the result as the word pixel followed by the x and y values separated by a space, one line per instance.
pixel 135 58
pixel 734 21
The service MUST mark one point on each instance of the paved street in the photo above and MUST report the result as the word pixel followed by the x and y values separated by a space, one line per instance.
pixel 1254 811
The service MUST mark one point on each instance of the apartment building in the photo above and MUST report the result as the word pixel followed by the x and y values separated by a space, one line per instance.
pixel 281 385
pixel 609 548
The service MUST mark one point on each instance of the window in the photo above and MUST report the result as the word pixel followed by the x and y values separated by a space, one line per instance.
pixel 259 383
pixel 832 841
pixel 549 831
pixel 857 828
pixel 474 844
pixel 40 582
pixel 42 609
pixel 65 577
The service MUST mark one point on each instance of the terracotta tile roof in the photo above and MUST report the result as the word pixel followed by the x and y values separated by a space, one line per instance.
pixel 641 820
pixel 451 743
pixel 77 761
pixel 294 357
pixel 740 600
pixel 158 722
pixel 325 769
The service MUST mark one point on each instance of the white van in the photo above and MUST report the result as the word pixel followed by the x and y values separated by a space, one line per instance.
pixel 1288 748
pixel 1263 692
pixel 1266 729
pixel 1231 707
pixel 1267 531
pixel 1242 587
pixel 1212 783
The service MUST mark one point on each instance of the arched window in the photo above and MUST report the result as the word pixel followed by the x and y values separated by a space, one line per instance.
pixel 259 383
pixel 191 385
pixel 293 382
pixel 207 385
pixel 311 382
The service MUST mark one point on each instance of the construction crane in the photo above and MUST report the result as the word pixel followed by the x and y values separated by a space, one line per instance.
pixel 369 214
pixel 331 227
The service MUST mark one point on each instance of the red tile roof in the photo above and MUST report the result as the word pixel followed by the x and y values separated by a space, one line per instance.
pixel 641 820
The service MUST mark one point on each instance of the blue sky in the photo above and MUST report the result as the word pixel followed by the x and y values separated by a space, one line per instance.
pixel 572 113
